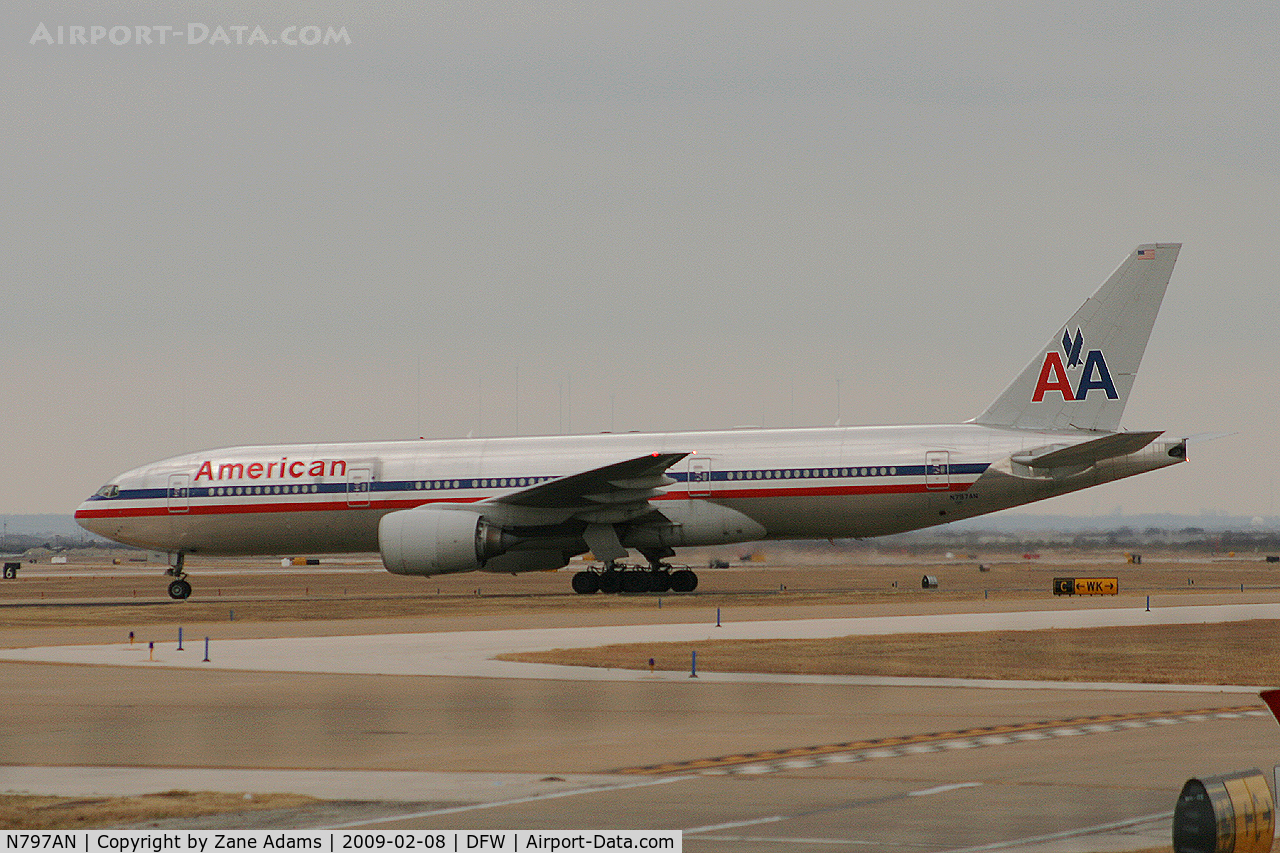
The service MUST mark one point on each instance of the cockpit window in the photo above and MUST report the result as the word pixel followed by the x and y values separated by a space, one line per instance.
pixel 108 491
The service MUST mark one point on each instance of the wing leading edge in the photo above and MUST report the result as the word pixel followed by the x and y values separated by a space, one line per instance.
pixel 610 494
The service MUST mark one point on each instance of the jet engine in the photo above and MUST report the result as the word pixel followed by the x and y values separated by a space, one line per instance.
pixel 438 541
pixel 446 540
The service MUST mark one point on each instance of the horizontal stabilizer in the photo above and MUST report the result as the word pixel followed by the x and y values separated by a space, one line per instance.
pixel 1208 436
pixel 1088 452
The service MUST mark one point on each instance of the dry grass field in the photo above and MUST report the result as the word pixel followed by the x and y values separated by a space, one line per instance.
pixel 261 598
pixel 261 591
pixel 23 812
pixel 1238 653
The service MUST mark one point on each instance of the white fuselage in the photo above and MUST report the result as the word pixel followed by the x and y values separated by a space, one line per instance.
pixel 734 486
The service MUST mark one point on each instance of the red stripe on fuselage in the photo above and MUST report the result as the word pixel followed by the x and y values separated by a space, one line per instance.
pixel 393 504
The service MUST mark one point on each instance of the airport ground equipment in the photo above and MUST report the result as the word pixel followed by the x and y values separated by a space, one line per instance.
pixel 1231 813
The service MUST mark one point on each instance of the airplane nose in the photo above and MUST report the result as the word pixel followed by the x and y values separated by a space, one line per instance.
pixel 87 519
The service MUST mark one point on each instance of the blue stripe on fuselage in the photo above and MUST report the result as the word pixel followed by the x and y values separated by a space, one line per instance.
pixel 749 475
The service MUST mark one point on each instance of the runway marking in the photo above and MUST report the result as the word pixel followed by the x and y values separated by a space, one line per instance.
pixel 1070 833
pixel 773 761
pixel 471 807
pixel 735 824
pixel 942 789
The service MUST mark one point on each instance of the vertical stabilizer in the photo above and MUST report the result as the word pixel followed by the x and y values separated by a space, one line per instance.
pixel 1082 378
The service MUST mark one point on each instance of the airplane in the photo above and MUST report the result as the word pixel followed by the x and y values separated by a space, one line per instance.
pixel 521 504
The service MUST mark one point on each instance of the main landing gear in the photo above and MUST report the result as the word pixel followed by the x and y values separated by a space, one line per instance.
pixel 614 578
pixel 179 588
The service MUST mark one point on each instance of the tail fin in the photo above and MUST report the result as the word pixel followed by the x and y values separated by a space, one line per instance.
pixel 1082 378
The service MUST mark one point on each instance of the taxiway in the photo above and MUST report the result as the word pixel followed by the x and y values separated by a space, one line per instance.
pixel 428 730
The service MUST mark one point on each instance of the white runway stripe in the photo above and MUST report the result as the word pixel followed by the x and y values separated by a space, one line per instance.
pixel 977 742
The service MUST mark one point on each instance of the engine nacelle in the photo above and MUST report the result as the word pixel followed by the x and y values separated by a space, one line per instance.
pixel 438 541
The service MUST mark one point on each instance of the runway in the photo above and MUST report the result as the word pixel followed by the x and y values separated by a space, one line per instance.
pixel 427 730
pixel 637 755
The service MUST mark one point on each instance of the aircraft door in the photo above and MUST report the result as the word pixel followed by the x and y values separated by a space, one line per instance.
pixel 179 493
pixel 699 477
pixel 358 486
pixel 937 470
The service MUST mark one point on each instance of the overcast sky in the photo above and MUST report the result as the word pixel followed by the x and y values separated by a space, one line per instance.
pixel 650 217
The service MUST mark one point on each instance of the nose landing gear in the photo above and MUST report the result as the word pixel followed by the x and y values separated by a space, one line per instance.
pixel 179 588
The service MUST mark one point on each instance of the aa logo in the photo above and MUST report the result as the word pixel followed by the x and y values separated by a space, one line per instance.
pixel 1094 375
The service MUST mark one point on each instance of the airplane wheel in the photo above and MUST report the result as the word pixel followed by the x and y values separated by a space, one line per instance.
pixel 179 590
pixel 683 581
pixel 586 583
pixel 659 581
pixel 634 581
pixel 610 581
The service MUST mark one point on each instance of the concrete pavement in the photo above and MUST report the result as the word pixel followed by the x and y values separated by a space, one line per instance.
pixel 473 653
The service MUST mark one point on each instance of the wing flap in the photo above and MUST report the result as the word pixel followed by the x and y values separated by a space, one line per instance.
pixel 651 482
pixel 614 514
pixel 623 496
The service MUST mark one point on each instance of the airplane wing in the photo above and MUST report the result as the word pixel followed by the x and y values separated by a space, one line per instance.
pixel 1087 452
pixel 606 495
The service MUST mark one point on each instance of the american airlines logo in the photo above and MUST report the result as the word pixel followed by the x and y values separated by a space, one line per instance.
pixel 1094 374
pixel 286 467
